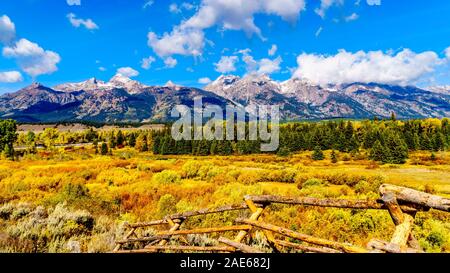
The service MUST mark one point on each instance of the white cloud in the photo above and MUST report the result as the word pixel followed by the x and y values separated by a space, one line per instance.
pixel 325 5
pixel 170 62
pixel 273 50
pixel 102 68
pixel 267 66
pixel 146 63
pixel 447 53
pixel 226 64
pixel 319 31
pixel 374 2
pixel 32 58
pixel 7 30
pixel 74 2
pixel 148 4
pixel 260 67
pixel 127 72
pixel 204 80
pixel 87 23
pixel 239 14
pixel 173 8
pixel 352 17
pixel 187 6
pixel 10 77
pixel 188 37
pixel 405 67
pixel 179 41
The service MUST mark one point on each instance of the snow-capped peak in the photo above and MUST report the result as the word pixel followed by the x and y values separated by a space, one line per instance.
pixel 172 85
pixel 443 89
pixel 120 79
pixel 92 84
pixel 88 85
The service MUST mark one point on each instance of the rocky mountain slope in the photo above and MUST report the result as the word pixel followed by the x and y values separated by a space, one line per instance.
pixel 124 100
pixel 354 100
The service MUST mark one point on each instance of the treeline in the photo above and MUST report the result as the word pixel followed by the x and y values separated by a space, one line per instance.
pixel 386 141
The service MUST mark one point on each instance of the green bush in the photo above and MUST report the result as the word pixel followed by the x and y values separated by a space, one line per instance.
pixel 313 182
pixel 166 205
pixel 167 177
pixel 190 168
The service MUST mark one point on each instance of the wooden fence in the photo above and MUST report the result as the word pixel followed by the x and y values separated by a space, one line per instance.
pixel 401 203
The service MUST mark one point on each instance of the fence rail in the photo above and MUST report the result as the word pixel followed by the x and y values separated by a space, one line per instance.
pixel 401 203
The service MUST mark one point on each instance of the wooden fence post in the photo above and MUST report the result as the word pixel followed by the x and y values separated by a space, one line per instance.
pixel 127 236
pixel 403 222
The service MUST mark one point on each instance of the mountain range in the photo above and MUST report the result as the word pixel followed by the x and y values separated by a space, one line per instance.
pixel 122 99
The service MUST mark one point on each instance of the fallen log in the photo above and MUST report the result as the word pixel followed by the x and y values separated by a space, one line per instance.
pixel 241 247
pixel 153 249
pixel 403 231
pixel 318 202
pixel 205 230
pixel 306 248
pixel 143 239
pixel 173 227
pixel 181 216
pixel 127 236
pixel 188 214
pixel 379 245
pixel 406 195
pixel 152 223
pixel 305 238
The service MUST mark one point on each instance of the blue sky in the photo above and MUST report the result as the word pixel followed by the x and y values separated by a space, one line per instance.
pixel 388 41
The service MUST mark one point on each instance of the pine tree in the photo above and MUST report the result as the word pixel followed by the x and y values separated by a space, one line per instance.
pixel 398 150
pixel 377 152
pixel 104 149
pixel 318 154
pixel 155 145
pixel 120 139
pixel 112 141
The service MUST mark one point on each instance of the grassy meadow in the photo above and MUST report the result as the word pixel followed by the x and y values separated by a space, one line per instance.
pixel 76 200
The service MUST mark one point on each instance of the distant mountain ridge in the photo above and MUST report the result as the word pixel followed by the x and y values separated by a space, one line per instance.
pixel 122 99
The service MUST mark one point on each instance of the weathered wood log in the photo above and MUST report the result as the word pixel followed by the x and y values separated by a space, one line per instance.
pixel 127 236
pixel 173 227
pixel 180 216
pixel 320 202
pixel 164 235
pixel 152 249
pixel 268 234
pixel 152 223
pixel 398 217
pixel 406 195
pixel 393 207
pixel 379 245
pixel 241 247
pixel 306 248
pixel 143 239
pixel 188 214
pixel 244 233
pixel 402 231
pixel 205 230
pixel 305 238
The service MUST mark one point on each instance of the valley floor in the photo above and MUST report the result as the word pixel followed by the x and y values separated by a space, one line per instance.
pixel 77 201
